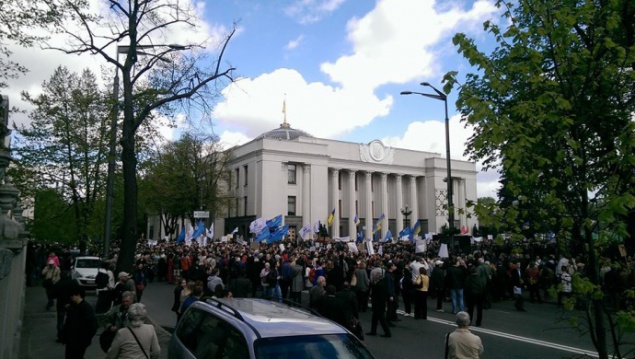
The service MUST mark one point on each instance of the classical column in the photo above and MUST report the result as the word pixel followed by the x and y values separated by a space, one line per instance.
pixel 352 228
pixel 384 203
pixel 414 201
pixel 306 196
pixel 399 198
pixel 368 234
pixel 335 196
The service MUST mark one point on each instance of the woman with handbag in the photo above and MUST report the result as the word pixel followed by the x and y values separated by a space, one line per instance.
pixel 140 276
pixel 138 340
pixel 421 285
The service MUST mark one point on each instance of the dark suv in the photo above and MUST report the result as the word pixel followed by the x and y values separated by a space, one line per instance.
pixel 257 328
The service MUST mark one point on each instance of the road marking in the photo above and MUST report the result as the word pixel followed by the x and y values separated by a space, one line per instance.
pixel 516 337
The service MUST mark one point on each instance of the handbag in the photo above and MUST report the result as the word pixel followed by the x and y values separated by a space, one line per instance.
pixel 106 338
pixel 138 342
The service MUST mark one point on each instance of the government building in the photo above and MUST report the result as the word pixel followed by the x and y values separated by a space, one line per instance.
pixel 287 171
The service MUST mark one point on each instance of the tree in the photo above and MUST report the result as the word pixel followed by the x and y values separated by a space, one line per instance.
pixel 552 108
pixel 185 176
pixel 64 146
pixel 18 20
pixel 177 79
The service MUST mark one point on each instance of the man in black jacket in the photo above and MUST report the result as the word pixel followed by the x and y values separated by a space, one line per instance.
pixel 378 297
pixel 62 293
pixel 80 326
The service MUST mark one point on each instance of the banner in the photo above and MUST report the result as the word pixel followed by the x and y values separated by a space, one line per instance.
pixel 352 248
pixel 420 246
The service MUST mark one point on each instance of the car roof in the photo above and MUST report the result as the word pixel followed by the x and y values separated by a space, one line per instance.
pixel 87 257
pixel 272 319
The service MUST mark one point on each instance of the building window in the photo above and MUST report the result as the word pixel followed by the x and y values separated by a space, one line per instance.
pixel 356 207
pixel 339 181
pixel 246 170
pixel 291 205
pixel 237 207
pixel 355 181
pixel 291 173
pixel 372 184
pixel 373 208
pixel 245 206
pixel 292 233
pixel 237 177
pixel 339 207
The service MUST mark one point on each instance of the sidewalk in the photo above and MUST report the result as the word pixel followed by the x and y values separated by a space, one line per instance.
pixel 39 330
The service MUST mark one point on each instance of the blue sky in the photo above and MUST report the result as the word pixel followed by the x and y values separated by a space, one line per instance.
pixel 340 64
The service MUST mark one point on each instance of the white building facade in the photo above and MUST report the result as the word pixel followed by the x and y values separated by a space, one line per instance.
pixel 286 171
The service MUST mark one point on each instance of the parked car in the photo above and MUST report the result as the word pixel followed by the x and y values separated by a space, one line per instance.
pixel 84 271
pixel 259 329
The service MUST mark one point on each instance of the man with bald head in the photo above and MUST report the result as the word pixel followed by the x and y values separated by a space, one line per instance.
pixel 461 343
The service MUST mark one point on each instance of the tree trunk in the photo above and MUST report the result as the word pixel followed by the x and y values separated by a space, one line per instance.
pixel 125 261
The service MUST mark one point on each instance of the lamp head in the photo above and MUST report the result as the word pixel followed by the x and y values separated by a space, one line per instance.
pixel 405 93
pixel 425 84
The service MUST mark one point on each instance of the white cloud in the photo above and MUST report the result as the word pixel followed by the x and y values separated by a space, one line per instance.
pixel 230 139
pixel 255 105
pixel 311 11
pixel 294 43
pixel 396 42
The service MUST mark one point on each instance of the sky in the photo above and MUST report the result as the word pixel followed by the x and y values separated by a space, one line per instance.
pixel 339 65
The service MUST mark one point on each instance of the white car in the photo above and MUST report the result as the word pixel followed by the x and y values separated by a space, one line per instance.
pixel 84 270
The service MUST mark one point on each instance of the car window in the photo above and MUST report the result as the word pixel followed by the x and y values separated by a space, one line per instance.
pixel 88 263
pixel 208 337
pixel 333 346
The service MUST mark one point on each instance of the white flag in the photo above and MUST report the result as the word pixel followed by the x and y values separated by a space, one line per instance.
pixel 257 225
pixel 369 248
pixel 235 230
pixel 305 232
pixel 352 248
pixel 420 246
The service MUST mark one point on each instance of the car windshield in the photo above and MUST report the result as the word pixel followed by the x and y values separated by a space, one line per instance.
pixel 88 263
pixel 330 346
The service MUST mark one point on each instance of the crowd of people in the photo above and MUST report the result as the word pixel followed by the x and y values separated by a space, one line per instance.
pixel 342 281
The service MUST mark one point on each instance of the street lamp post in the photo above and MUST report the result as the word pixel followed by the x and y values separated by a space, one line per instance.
pixel 442 97
pixel 112 150
pixel 406 212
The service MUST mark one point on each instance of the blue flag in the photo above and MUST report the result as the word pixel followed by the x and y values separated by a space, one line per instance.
pixel 356 220
pixel 181 236
pixel 278 234
pixel 263 235
pixel 360 236
pixel 387 236
pixel 406 232
pixel 200 229
pixel 275 222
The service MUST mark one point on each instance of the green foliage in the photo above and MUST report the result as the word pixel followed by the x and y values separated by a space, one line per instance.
pixel 551 107
pixel 63 149
pixel 185 176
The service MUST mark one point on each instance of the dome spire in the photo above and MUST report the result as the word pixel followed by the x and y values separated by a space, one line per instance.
pixel 284 123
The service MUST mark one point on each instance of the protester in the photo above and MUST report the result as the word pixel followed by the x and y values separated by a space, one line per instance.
pixel 176 306
pixel 475 295
pixel 140 278
pixel 317 291
pixel 461 343
pixel 80 326
pixel 378 296
pixel 421 286
pixel 105 283
pixel 50 274
pixel 138 340
pixel 297 281
pixel 362 287
pixel 62 291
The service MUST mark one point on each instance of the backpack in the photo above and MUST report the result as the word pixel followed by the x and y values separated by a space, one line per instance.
pixel 101 280
pixel 272 277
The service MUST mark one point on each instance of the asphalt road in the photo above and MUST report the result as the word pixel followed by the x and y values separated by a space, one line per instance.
pixel 541 332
